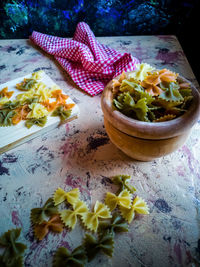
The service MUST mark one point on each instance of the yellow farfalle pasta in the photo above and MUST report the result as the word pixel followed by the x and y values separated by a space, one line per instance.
pixel 37 111
pixel 37 75
pixel 69 217
pixel 141 71
pixel 60 195
pixel 91 219
pixel 138 206
pixel 42 92
pixel 23 97
pixel 123 199
pixel 3 100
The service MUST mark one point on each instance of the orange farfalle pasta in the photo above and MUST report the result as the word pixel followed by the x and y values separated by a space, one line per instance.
pixel 50 106
pixel 61 98
pixel 68 106
pixel 21 114
pixel 4 93
pixel 54 224
pixel 151 82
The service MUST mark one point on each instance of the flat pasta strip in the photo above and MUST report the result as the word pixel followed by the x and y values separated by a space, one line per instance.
pixel 60 195
pixel 54 224
pixel 138 206
pixel 69 217
pixel 91 219
pixel 123 199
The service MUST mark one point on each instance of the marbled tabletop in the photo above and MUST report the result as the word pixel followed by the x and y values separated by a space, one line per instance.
pixel 79 154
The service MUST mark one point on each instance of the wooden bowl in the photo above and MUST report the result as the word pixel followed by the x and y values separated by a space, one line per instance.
pixel 146 141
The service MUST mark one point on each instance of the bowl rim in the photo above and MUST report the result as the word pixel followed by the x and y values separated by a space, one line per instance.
pixel 151 130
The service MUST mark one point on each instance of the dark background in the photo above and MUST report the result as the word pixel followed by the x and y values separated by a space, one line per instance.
pixel 18 18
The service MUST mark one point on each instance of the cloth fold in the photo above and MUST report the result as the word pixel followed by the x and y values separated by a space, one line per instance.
pixel 90 64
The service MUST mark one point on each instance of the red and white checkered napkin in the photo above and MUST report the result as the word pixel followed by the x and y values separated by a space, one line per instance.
pixel 90 64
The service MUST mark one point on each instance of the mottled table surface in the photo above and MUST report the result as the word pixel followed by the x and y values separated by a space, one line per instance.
pixel 79 154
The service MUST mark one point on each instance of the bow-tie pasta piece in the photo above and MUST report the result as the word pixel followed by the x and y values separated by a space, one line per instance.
pixel 76 258
pixel 123 199
pixel 4 93
pixel 91 219
pixel 13 250
pixel 38 215
pixel 116 225
pixel 138 206
pixel 105 243
pixel 54 224
pixel 122 182
pixel 60 196
pixel 69 217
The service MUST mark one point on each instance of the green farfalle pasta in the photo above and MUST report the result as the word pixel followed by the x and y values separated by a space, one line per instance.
pixel 39 122
pixel 13 250
pixel 62 113
pixel 156 95
pixel 122 181
pixel 38 215
pixel 30 100
pixel 10 105
pixel 93 246
pixel 64 258
pixel 171 93
pixel 26 85
pixel 6 116
pixel 15 262
pixel 116 225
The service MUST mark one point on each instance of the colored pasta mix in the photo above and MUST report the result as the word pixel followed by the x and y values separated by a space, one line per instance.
pixel 34 104
pixel 151 95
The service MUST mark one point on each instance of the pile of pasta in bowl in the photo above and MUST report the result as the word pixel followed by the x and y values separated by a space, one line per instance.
pixel 151 95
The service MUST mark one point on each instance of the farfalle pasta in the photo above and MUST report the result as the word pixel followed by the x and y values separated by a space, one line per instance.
pixel 91 219
pixel 60 196
pixel 105 243
pixel 69 217
pixel 54 224
pixel 123 199
pixel 138 206
pixel 151 95
pixel 50 218
pixel 13 250
pixel 39 215
pixel 4 93
pixel 63 257
pixel 42 101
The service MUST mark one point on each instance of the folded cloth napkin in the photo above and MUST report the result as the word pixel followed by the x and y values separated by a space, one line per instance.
pixel 90 64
